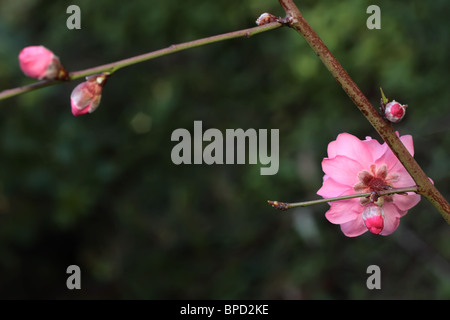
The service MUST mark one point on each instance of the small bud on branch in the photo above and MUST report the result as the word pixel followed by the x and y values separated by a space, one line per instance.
pixel 40 63
pixel 86 96
pixel 391 110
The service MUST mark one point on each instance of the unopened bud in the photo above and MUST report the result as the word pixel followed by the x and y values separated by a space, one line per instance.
pixel 86 96
pixel 373 218
pixel 394 111
pixel 40 63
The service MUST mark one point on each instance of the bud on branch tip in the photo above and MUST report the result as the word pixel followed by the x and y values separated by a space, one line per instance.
pixel 391 110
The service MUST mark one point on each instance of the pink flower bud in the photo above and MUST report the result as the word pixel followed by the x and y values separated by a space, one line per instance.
pixel 394 111
pixel 373 218
pixel 86 96
pixel 40 63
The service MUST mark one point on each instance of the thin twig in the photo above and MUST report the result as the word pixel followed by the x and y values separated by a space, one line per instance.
pixel 114 66
pixel 286 205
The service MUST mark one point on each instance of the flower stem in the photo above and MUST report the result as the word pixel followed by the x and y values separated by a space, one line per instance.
pixel 285 205
pixel 426 188
pixel 114 66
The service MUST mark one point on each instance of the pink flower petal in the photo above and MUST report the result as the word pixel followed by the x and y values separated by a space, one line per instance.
pixel 331 188
pixel 343 211
pixel 350 146
pixel 391 219
pixel 392 162
pixel 407 141
pixel 342 170
pixel 404 179
pixel 354 228
pixel 404 203
pixel 375 147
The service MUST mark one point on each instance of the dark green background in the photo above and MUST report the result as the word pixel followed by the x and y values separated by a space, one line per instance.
pixel 100 191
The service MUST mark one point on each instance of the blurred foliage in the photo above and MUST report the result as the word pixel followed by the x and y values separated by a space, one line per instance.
pixel 100 191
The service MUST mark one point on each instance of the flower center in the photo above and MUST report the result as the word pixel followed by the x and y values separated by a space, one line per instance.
pixel 374 180
pixel 377 184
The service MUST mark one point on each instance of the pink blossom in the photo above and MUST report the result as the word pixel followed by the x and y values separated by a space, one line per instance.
pixel 360 166
pixel 86 96
pixel 40 63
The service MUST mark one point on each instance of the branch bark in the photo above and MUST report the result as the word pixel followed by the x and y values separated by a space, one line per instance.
pixel 295 20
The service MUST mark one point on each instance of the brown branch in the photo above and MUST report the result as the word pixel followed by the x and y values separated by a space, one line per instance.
pixel 296 21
